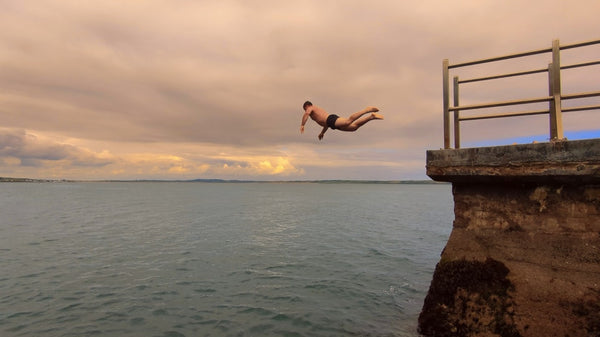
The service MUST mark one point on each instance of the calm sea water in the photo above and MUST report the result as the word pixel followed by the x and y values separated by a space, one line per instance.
pixel 223 259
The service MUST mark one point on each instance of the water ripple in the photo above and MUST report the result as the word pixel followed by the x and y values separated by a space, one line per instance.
pixel 175 259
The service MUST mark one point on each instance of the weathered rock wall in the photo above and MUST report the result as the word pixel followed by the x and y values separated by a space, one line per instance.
pixel 523 258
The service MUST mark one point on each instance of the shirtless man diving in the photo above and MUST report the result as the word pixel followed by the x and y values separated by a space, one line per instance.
pixel 327 121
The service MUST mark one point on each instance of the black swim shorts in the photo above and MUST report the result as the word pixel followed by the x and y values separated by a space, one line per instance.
pixel 331 121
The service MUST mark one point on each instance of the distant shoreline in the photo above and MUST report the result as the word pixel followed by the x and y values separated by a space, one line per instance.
pixel 327 181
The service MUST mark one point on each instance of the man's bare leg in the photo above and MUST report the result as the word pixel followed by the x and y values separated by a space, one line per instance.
pixel 366 110
pixel 344 123
pixel 358 123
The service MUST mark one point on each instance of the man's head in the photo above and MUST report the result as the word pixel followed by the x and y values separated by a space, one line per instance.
pixel 306 105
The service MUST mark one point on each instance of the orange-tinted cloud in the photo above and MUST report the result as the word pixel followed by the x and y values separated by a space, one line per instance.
pixel 101 83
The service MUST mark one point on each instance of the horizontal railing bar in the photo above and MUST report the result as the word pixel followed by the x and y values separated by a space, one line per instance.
pixel 581 108
pixel 513 114
pixel 529 72
pixel 581 95
pixel 499 104
pixel 580 65
pixel 580 44
pixel 528 113
pixel 529 53
pixel 500 58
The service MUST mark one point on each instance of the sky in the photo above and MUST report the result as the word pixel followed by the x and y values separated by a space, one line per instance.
pixel 181 89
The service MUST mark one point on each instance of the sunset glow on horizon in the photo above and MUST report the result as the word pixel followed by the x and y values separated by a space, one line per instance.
pixel 214 89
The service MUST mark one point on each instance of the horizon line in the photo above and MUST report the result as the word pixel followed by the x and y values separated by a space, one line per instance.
pixel 217 180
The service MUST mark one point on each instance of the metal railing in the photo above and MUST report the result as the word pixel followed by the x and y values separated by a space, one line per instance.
pixel 554 98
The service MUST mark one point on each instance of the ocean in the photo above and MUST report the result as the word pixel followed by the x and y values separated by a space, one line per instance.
pixel 218 259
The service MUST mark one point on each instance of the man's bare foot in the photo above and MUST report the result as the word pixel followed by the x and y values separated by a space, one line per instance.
pixel 372 109
pixel 376 116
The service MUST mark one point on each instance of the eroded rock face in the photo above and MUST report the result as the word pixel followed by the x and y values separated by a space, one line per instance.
pixel 523 259
pixel 469 296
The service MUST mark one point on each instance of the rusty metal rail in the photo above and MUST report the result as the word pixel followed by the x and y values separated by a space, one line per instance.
pixel 554 98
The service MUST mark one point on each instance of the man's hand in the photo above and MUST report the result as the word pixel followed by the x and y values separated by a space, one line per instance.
pixel 301 129
pixel 323 132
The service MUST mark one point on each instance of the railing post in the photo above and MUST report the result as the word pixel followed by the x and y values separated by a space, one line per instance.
pixel 446 100
pixel 556 128
pixel 456 115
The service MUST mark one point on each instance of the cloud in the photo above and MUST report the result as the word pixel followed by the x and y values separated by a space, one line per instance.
pixel 279 166
pixel 138 77
pixel 22 150
pixel 19 147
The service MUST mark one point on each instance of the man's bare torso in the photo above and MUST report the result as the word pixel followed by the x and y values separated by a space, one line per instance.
pixel 318 115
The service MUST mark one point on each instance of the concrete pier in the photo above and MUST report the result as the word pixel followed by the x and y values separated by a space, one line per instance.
pixel 523 258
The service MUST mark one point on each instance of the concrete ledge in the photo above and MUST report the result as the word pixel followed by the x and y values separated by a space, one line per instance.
pixel 563 162
pixel 523 258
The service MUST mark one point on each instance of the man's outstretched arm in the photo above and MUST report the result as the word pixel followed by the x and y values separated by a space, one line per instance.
pixel 323 132
pixel 304 119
